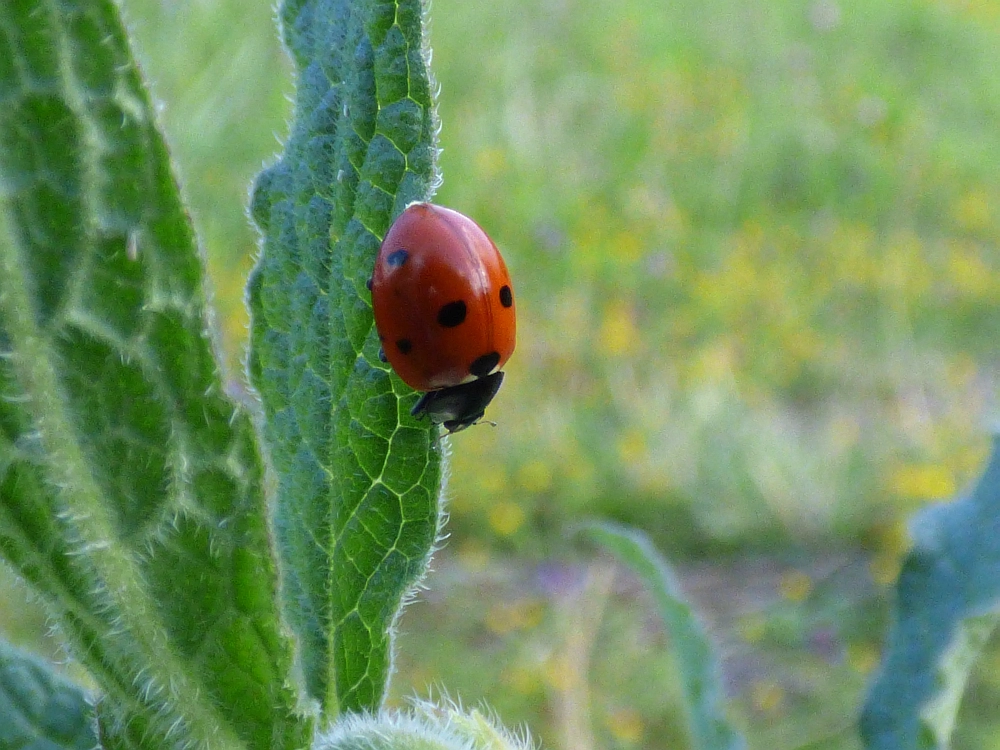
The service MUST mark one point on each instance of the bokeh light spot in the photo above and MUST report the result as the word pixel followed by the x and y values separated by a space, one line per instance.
pixel 795 586
pixel 506 518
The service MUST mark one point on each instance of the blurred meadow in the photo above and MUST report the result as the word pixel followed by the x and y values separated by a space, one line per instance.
pixel 754 251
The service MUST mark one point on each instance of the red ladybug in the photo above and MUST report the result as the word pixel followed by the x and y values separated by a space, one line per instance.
pixel 444 310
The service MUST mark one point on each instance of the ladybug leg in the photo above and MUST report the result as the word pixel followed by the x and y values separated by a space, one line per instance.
pixel 419 409
pixel 381 355
pixel 369 283
pixel 457 425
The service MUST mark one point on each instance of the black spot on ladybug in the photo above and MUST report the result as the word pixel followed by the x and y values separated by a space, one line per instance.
pixel 397 258
pixel 369 283
pixel 452 314
pixel 404 346
pixel 506 296
pixel 484 365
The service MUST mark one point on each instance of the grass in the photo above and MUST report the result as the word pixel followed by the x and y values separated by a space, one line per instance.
pixel 754 250
pixel 756 253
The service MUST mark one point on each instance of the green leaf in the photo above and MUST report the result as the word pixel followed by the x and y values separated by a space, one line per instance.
pixel 358 479
pixel 947 599
pixel 40 709
pixel 692 651
pixel 130 484
pixel 425 726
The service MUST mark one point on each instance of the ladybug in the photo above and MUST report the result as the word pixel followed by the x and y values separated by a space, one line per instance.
pixel 444 311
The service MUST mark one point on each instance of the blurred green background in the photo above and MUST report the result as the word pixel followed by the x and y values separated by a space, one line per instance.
pixel 753 246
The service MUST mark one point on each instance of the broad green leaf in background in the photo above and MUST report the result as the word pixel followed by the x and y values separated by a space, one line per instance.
pixel 699 670
pixel 40 709
pixel 358 479
pixel 947 599
pixel 130 484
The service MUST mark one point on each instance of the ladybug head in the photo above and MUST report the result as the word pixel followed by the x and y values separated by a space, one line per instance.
pixel 459 406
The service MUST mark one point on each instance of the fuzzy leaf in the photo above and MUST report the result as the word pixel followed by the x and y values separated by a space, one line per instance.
pixel 358 478
pixel 692 651
pixel 40 709
pixel 947 603
pixel 425 726
pixel 130 484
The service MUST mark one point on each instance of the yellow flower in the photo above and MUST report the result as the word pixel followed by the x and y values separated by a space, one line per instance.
pixel 795 585
pixel 767 696
pixel 923 481
pixel 972 211
pixel 618 335
pixel 559 673
pixel 753 627
pixel 893 544
pixel 504 617
pixel 626 724
pixel 627 247
pixel 535 476
pixel 490 162
pixel 522 679
pixel 632 447
pixel 863 657
pixel 506 517
pixel 969 274
pixel 885 567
